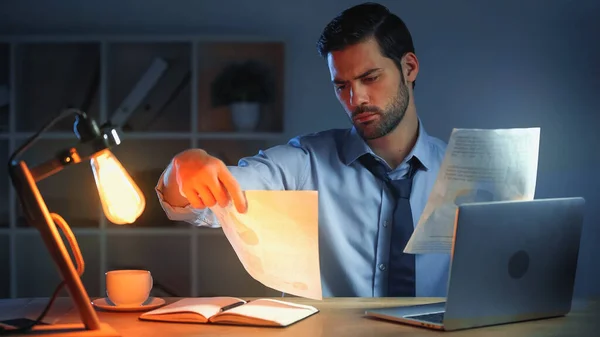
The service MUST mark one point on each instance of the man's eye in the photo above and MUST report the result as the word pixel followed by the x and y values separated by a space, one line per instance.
pixel 370 79
pixel 340 87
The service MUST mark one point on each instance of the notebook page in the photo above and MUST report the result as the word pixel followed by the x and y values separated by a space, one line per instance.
pixel 279 312
pixel 205 306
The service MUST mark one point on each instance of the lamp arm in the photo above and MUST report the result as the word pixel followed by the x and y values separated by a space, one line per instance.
pixel 62 115
pixel 88 134
pixel 64 158
pixel 46 169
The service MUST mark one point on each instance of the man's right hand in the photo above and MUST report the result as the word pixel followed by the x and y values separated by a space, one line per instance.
pixel 203 180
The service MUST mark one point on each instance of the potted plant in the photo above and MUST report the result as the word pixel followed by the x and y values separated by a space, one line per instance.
pixel 244 87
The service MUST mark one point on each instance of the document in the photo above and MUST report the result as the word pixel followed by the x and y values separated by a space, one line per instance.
pixel 479 165
pixel 277 239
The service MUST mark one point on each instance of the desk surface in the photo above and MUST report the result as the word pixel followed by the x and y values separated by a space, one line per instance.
pixel 337 317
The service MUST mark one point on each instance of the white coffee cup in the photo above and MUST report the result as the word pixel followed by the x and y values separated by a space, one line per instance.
pixel 128 287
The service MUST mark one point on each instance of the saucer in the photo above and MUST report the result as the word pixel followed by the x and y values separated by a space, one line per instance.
pixel 106 304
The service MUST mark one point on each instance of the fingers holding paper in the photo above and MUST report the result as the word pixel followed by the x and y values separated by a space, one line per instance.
pixel 205 181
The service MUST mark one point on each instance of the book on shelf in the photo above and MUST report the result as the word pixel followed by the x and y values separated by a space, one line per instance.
pixel 231 310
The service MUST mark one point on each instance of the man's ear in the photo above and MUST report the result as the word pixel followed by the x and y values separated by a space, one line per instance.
pixel 410 67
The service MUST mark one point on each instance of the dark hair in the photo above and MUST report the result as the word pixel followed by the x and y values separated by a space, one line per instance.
pixel 362 22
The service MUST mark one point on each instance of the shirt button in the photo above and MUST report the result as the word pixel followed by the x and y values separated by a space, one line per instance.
pixel 382 266
pixel 385 223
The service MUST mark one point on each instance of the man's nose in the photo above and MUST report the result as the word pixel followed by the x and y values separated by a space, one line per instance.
pixel 358 95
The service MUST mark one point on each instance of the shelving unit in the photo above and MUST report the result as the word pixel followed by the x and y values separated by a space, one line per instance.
pixel 46 74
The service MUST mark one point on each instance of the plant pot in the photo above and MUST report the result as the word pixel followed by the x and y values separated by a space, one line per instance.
pixel 245 115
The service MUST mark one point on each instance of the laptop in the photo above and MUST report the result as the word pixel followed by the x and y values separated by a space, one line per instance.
pixel 511 261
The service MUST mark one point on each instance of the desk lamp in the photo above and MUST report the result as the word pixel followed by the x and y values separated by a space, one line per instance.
pixel 122 202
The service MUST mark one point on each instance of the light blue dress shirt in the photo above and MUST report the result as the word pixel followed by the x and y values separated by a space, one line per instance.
pixel 355 208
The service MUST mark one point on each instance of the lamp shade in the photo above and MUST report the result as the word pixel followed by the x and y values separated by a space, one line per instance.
pixel 122 200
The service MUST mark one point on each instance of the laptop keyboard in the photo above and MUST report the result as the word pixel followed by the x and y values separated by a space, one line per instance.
pixel 437 317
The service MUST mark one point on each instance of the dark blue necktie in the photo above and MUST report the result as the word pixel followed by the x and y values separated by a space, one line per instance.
pixel 401 273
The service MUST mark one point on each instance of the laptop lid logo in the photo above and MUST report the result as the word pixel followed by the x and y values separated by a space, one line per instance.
pixel 518 264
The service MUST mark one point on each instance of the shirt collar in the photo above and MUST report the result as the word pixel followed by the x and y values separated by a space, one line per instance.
pixel 354 147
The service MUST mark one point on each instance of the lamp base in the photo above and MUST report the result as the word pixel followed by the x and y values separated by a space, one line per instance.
pixel 71 330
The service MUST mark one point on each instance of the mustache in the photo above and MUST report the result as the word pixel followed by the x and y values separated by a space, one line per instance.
pixel 366 108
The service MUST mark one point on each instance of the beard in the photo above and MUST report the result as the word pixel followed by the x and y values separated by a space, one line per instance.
pixel 388 118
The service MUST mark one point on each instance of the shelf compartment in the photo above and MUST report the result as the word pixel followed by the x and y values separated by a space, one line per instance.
pixel 4 86
pixel 167 257
pixel 34 264
pixel 51 77
pixel 231 151
pixel 4 266
pixel 4 187
pixel 215 57
pixel 149 83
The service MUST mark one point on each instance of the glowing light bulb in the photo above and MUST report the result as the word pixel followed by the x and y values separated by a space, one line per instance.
pixel 122 200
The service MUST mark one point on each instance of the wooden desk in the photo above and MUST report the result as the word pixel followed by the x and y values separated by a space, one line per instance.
pixel 337 317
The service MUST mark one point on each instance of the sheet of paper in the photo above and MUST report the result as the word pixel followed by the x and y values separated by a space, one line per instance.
pixel 479 165
pixel 277 239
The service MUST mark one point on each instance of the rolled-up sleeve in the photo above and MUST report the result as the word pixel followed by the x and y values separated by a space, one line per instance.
pixel 283 167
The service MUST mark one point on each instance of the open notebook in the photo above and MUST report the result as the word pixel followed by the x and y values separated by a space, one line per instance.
pixel 231 310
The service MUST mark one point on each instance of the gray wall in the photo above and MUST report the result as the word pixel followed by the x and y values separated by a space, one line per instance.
pixel 484 64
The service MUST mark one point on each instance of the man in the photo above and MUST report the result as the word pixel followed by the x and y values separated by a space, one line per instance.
pixel 364 220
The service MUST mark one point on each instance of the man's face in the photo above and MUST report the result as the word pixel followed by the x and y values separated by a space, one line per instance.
pixel 370 88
